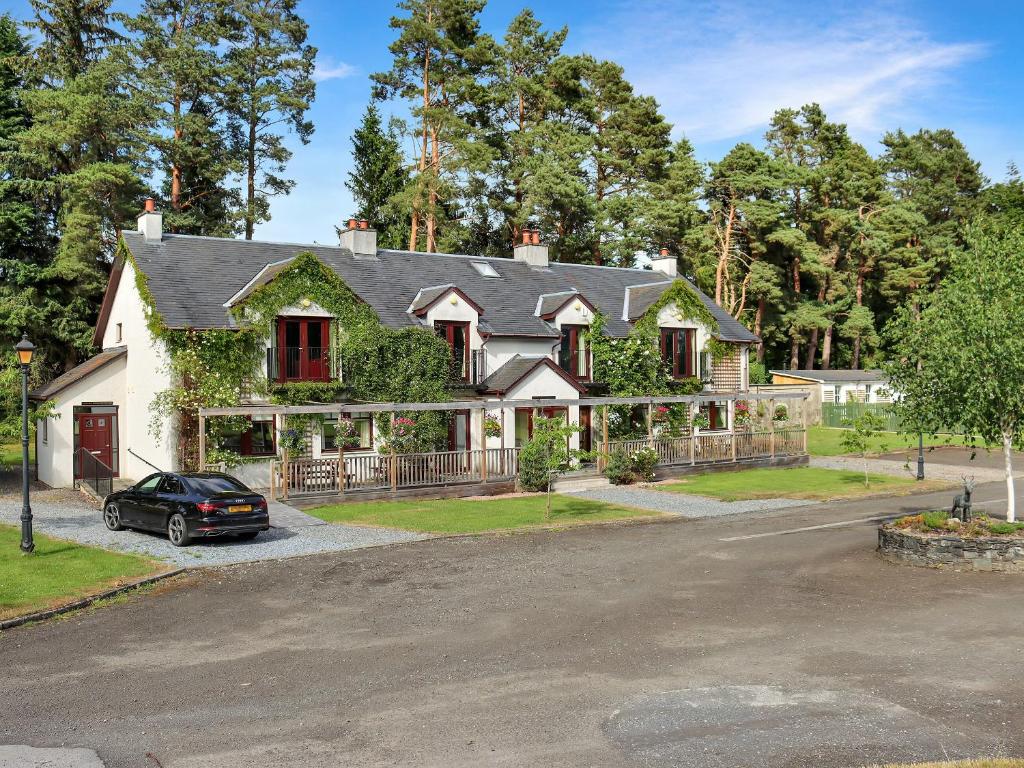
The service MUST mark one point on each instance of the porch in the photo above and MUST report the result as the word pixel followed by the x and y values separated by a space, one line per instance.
pixel 760 439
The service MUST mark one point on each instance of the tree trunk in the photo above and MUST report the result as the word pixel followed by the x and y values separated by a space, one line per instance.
pixel 826 349
pixel 414 224
pixel 762 308
pixel 1011 502
pixel 812 350
pixel 855 363
pixel 794 351
pixel 175 167
pixel 723 256
pixel 250 189
pixel 435 164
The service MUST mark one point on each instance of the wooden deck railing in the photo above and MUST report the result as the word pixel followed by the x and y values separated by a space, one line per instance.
pixel 371 472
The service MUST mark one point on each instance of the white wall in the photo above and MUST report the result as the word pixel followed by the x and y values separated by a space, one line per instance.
pixel 501 349
pixel 543 383
pixel 55 457
pixel 667 319
pixel 147 373
pixel 460 312
pixel 574 313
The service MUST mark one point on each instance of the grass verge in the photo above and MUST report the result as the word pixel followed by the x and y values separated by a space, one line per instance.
pixel 824 441
pixel 475 515
pixel 59 572
pixel 812 483
pixel 10 453
pixel 994 763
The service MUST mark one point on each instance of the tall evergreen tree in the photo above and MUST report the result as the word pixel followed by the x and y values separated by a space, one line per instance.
pixel 268 87
pixel 176 59
pixel 84 154
pixel 378 178
pixel 436 60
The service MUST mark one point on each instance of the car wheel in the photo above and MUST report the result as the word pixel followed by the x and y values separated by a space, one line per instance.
pixel 248 535
pixel 112 517
pixel 177 532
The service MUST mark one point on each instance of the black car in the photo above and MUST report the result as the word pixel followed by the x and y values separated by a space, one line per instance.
pixel 188 505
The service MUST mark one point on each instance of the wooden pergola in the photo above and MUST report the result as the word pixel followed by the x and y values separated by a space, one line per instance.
pixel 481 407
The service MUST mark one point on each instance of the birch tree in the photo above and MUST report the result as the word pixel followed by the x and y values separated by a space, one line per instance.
pixel 960 356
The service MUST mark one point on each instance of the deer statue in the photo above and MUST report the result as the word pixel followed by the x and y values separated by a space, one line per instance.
pixel 962 503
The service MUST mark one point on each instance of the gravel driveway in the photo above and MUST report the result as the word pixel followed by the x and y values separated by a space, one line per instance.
pixel 67 517
pixel 648 497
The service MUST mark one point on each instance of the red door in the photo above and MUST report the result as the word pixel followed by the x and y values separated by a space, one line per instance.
pixel 94 435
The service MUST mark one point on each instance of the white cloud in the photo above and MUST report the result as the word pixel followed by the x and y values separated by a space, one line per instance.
pixel 720 68
pixel 327 69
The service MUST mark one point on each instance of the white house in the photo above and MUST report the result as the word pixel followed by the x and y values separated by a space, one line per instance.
pixel 515 326
pixel 841 385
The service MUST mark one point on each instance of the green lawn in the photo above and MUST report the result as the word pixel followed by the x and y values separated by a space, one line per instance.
pixel 10 452
pixel 795 483
pixel 59 572
pixel 824 441
pixel 474 515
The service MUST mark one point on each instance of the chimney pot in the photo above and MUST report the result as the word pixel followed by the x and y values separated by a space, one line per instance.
pixel 364 224
pixel 526 237
pixel 536 237
pixel 352 223
pixel 664 253
pixel 150 205
pixel 151 222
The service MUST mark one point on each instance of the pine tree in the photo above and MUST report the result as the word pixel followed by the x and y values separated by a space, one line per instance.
pixel 378 178
pixel 176 59
pixel 268 87
pixel 436 62
pixel 84 154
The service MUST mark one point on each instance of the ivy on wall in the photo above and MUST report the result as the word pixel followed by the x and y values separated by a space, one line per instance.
pixel 216 368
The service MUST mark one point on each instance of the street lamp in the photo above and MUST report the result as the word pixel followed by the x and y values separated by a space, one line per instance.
pixel 25 350
pixel 920 455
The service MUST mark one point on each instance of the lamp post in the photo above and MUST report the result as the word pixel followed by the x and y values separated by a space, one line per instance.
pixel 920 455
pixel 25 350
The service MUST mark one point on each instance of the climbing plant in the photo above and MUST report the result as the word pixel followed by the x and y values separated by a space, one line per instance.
pixel 215 368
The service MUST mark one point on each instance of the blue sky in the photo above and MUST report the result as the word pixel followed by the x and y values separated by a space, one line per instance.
pixel 719 68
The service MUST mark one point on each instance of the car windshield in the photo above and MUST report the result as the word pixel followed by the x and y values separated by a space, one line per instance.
pixel 211 486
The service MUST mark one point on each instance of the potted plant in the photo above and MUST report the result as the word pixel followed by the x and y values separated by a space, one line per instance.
pixel 492 426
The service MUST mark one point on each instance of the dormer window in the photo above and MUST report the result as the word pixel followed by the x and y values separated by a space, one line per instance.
pixel 484 269
pixel 302 352
pixel 457 336
pixel 679 351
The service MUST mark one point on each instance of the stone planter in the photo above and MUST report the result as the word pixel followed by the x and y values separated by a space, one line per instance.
pixel 947 550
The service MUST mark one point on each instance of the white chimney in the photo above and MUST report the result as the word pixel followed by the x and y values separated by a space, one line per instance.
pixel 530 250
pixel 360 238
pixel 151 222
pixel 665 263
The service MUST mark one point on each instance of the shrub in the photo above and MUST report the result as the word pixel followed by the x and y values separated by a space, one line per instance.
pixel 619 470
pixel 935 520
pixel 1005 529
pixel 533 466
pixel 643 462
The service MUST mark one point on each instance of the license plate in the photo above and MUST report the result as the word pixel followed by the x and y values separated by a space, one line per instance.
pixel 240 508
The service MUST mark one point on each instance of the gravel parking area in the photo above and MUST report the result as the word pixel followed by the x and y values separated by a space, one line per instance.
pixel 648 497
pixel 69 517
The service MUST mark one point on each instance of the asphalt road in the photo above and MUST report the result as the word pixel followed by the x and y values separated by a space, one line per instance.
pixel 689 643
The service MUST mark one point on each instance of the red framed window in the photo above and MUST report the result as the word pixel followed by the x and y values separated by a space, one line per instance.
pixel 256 439
pixel 679 351
pixel 458 431
pixel 574 355
pixel 457 336
pixel 303 349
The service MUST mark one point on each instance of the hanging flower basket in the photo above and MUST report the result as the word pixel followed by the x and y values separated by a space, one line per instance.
pixel 492 426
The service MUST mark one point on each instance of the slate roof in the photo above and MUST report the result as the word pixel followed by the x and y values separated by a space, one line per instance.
pixel 191 278
pixel 77 373
pixel 640 298
pixel 517 369
pixel 552 302
pixel 429 295
pixel 838 375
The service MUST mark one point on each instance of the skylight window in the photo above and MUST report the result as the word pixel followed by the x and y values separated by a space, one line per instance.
pixel 485 269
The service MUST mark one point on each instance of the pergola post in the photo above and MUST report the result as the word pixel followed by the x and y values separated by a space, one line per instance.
pixel 285 481
pixel 342 476
pixel 483 442
pixel 604 438
pixel 394 457
pixel 202 443
pixel 771 428
pixel 650 424
pixel 694 406
pixel 731 411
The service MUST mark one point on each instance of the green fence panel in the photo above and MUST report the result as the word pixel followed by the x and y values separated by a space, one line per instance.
pixel 834 414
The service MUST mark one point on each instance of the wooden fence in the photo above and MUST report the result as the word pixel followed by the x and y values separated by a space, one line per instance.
pixel 838 414
pixel 371 472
